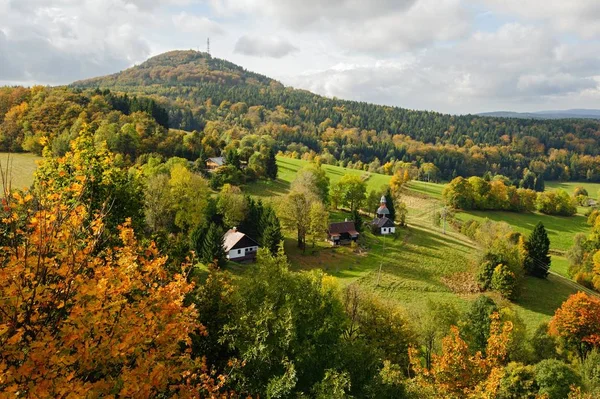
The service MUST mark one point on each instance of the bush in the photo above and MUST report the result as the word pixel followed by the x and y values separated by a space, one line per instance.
pixel 504 281
pixel 484 277
pixel 556 202
pixel 580 191
pixel 518 382
pixel 555 378
pixel 543 344
pixel 590 372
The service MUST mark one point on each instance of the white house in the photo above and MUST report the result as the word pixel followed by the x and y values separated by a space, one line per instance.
pixel 238 246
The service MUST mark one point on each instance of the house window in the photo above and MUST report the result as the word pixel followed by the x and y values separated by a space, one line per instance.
pixel 239 251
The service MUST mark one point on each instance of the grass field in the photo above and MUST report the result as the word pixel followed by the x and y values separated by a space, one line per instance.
pixel 592 188
pixel 420 264
pixel 561 229
pixel 20 168
pixel 288 168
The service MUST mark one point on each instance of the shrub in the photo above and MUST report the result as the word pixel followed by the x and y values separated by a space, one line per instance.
pixel 504 281
pixel 484 277
pixel 556 202
pixel 518 382
pixel 555 378
pixel 580 191
pixel 543 344
pixel 590 372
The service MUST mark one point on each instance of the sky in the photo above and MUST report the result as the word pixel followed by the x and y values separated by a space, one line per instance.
pixel 452 56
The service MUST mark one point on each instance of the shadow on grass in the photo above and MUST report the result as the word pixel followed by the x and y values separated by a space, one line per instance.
pixel 268 188
pixel 544 295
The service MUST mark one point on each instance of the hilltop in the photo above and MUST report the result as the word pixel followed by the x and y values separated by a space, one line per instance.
pixel 187 79
pixel 176 68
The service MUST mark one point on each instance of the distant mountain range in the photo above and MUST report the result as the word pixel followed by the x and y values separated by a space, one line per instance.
pixel 559 114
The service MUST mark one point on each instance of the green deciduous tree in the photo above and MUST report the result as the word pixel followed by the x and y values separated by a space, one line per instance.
pixel 354 191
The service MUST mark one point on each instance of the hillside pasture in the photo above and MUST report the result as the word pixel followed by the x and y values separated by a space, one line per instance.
pixel 19 168
pixel 420 263
pixel 288 169
pixel 561 229
pixel 591 188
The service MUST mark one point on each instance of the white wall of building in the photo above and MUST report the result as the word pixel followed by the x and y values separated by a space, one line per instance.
pixel 241 252
pixel 388 230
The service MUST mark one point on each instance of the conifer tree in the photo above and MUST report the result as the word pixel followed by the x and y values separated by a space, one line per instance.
pixel 271 165
pixel 212 248
pixel 271 235
pixel 358 222
pixel 390 204
pixel 232 158
pixel 537 260
pixel 252 224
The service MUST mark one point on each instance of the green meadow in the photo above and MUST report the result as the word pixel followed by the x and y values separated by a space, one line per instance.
pixel 18 168
pixel 420 263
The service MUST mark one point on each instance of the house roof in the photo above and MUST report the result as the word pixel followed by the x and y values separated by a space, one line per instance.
pixel 218 160
pixel 234 239
pixel 342 227
pixel 383 222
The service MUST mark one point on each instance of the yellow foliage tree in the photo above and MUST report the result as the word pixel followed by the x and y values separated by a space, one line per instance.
pixel 80 321
pixel 456 373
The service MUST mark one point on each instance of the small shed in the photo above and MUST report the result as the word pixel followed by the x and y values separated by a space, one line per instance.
pixel 239 247
pixel 342 233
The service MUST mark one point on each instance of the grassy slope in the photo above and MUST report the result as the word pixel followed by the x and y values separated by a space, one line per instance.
pixel 287 172
pixel 414 263
pixel 561 230
pixel 592 188
pixel 20 167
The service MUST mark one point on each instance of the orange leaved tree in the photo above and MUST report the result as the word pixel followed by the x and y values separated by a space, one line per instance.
pixel 80 321
pixel 577 323
pixel 456 373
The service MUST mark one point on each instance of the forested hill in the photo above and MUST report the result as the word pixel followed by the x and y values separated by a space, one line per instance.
pixel 177 68
pixel 187 79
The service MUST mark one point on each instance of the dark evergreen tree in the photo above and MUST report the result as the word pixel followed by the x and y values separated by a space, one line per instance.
pixel 271 165
pixel 252 224
pixel 232 158
pixel 390 205
pixel 537 260
pixel 539 186
pixel 197 239
pixel 358 222
pixel 212 247
pixel 271 235
pixel 528 180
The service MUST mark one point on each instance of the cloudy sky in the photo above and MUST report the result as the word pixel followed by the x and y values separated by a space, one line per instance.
pixel 458 56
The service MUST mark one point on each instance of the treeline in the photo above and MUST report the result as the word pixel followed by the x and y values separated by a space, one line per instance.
pixel 363 135
pixel 91 305
pixel 476 193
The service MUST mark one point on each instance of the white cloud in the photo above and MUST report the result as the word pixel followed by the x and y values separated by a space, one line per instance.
pixel 580 16
pixel 197 24
pixel 260 46
pixel 514 67
pixel 447 55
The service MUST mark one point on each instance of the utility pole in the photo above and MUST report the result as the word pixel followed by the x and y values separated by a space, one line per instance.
pixel 381 263
pixel 444 214
pixel 208 45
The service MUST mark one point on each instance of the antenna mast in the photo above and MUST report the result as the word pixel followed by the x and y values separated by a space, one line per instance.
pixel 208 45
